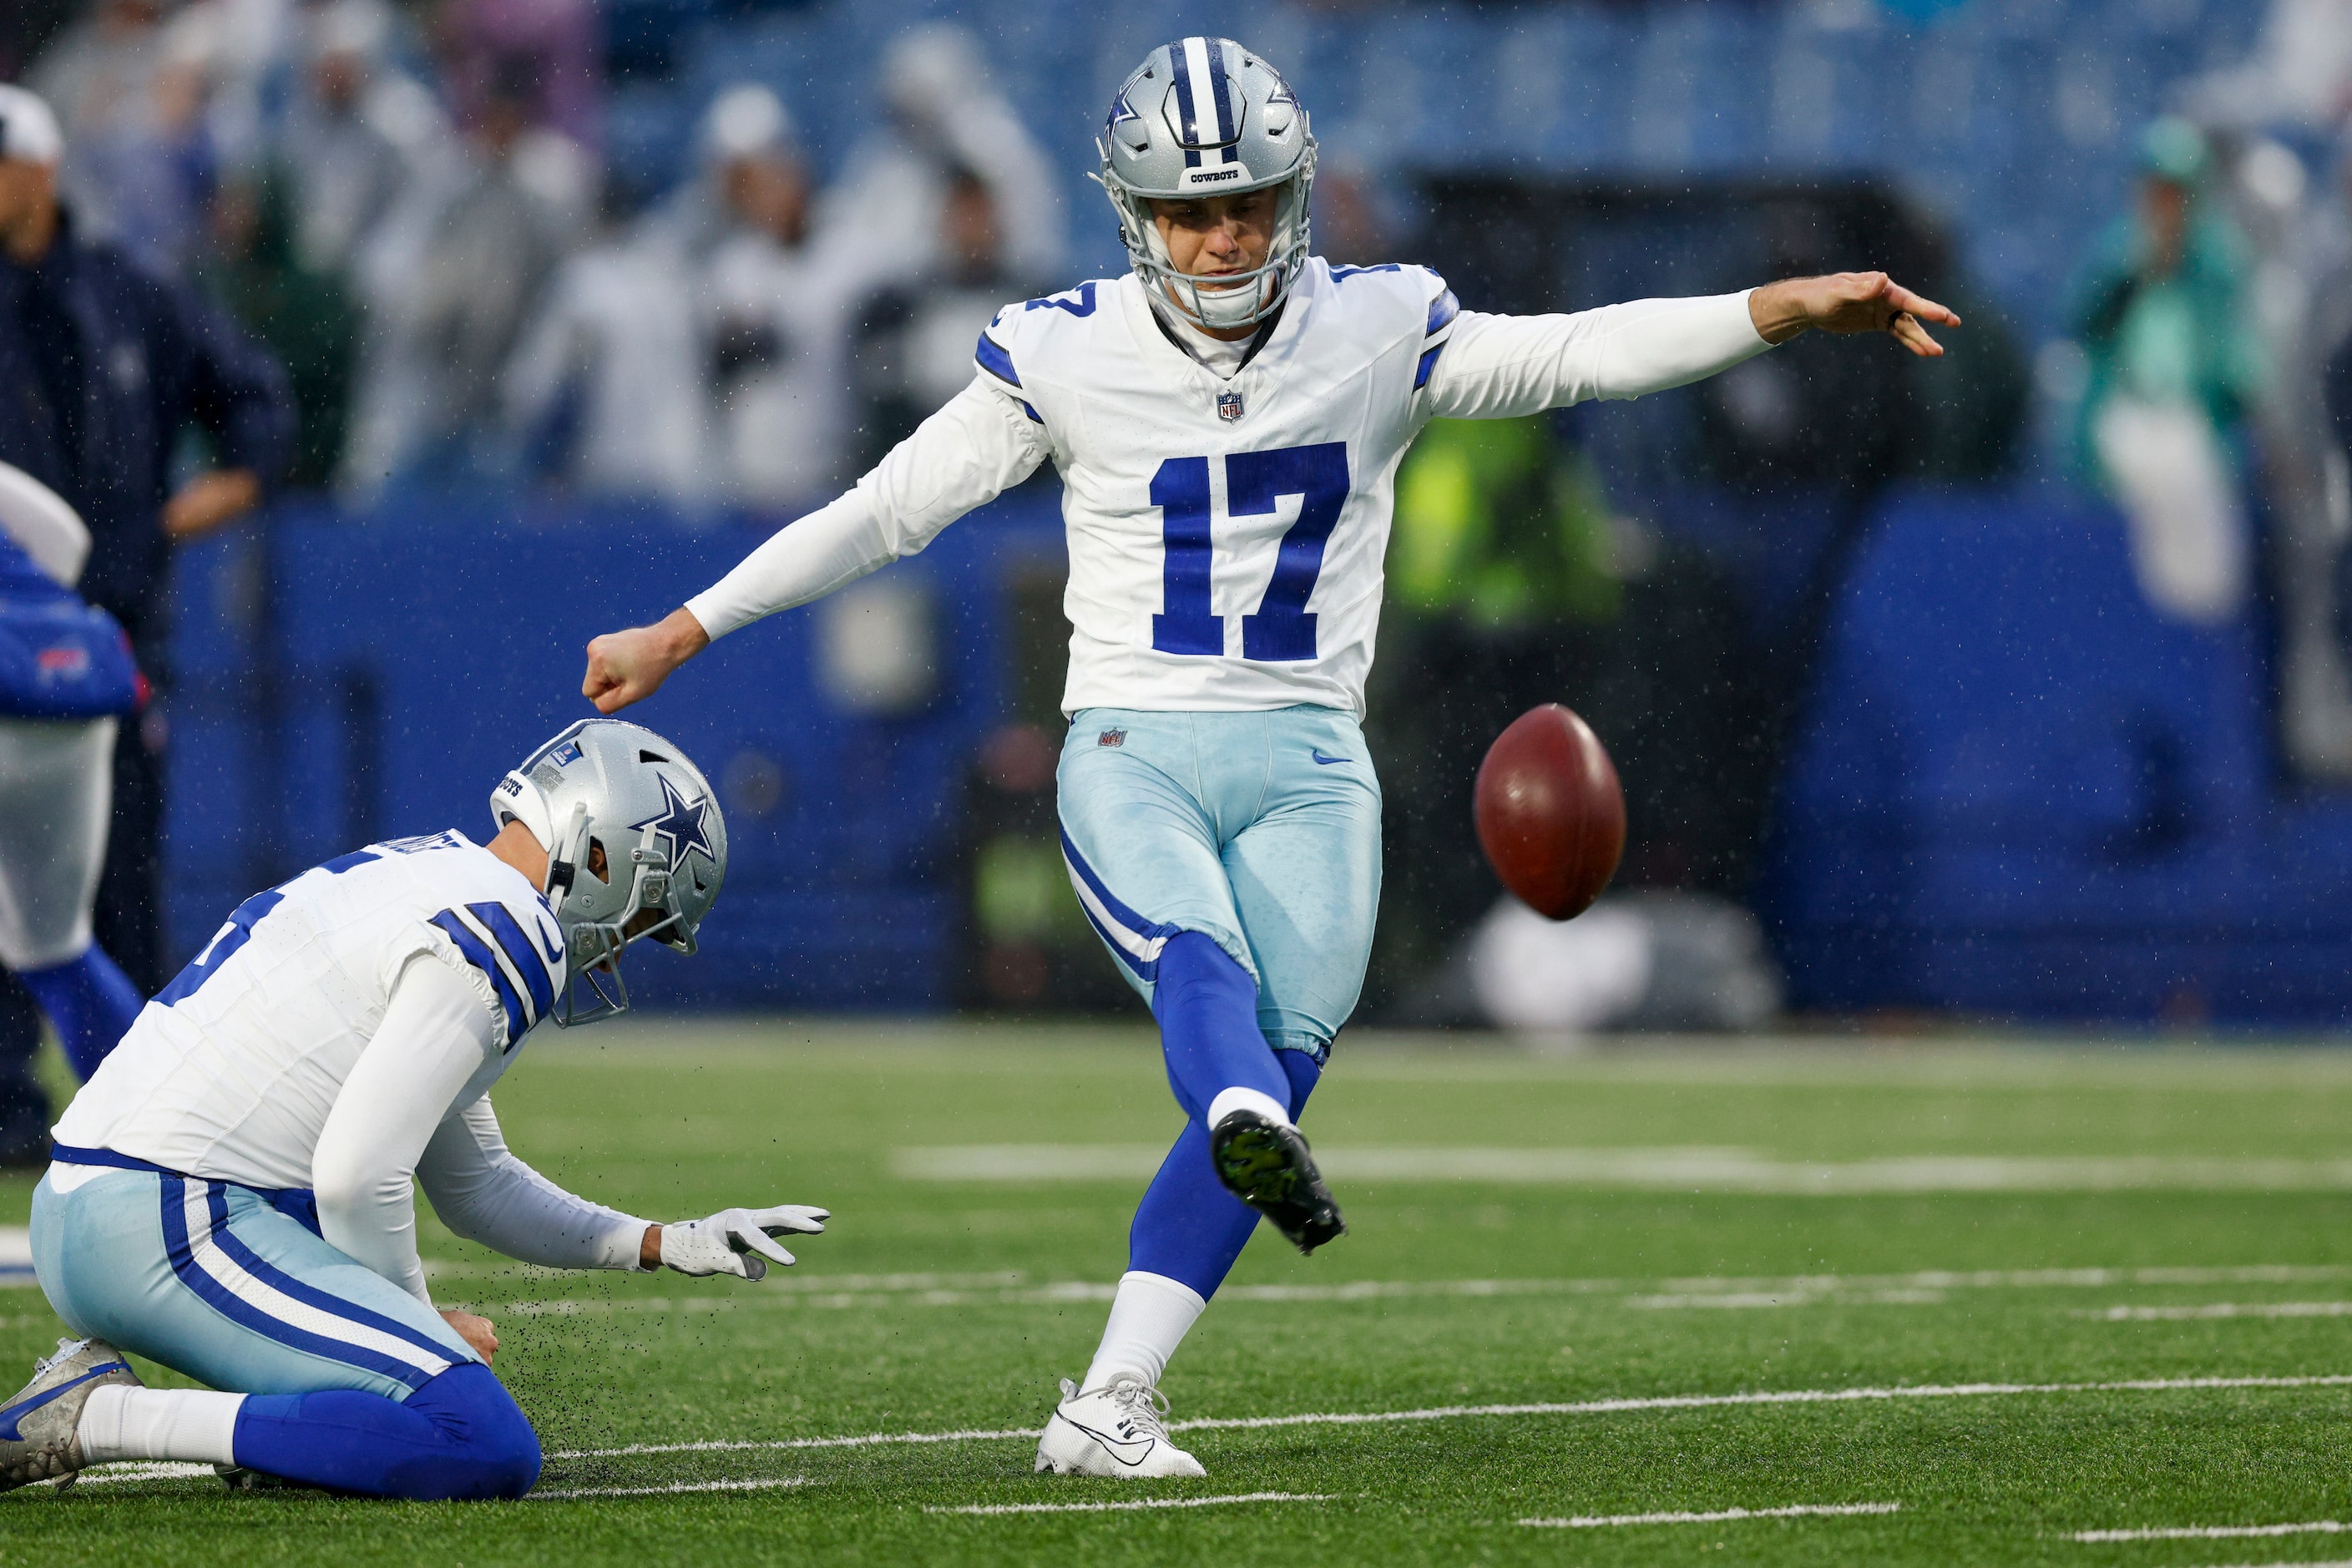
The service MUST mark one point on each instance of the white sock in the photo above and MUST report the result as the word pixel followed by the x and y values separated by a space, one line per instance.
pixel 1148 1318
pixel 1229 1101
pixel 119 1423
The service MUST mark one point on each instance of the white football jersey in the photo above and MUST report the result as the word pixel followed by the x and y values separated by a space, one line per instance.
pixel 1225 531
pixel 230 1072
pixel 1226 534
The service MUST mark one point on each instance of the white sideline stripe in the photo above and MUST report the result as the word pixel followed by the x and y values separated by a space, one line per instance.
pixel 226 1272
pixel 1720 1516
pixel 1667 1169
pixel 753 1485
pixel 1137 1503
pixel 16 1255
pixel 2220 1309
pixel 1456 1412
pixel 845 1292
pixel 2213 1532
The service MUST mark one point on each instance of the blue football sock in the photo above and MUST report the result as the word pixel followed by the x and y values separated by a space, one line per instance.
pixel 1207 1008
pixel 90 1003
pixel 1187 1227
pixel 460 1436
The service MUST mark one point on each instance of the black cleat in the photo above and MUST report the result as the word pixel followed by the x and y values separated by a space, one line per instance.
pixel 1268 1167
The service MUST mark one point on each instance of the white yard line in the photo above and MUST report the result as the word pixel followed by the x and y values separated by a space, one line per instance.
pixel 133 1470
pixel 672 1488
pixel 2215 1531
pixel 1458 1412
pixel 1720 1516
pixel 1137 1503
pixel 2127 1314
pixel 855 1292
pixel 1667 1169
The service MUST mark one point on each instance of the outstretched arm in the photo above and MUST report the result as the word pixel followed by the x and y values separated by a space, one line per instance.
pixel 1496 367
pixel 973 450
pixel 485 1193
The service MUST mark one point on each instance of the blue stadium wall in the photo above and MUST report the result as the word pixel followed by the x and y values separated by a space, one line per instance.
pixel 2018 792
pixel 341 679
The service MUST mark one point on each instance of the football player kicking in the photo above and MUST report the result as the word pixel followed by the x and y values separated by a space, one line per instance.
pixel 230 1194
pixel 1227 422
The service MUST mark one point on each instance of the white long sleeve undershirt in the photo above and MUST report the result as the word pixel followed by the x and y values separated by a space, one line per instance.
pixel 394 1120
pixel 982 443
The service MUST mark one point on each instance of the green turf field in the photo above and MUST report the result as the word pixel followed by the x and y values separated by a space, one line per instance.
pixel 2017 1264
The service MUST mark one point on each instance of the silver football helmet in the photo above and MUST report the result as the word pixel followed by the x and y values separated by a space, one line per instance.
pixel 603 782
pixel 1203 116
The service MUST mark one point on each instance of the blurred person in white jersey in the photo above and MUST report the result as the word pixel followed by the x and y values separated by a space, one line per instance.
pixel 230 1194
pixel 1227 422
pixel 67 678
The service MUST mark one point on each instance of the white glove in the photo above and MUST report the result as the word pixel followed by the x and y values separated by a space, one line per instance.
pixel 735 1241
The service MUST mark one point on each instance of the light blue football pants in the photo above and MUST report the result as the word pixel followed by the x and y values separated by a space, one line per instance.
pixel 1260 831
pixel 211 1280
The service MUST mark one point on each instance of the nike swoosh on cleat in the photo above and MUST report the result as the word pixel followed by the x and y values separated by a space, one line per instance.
pixel 1114 1445
pixel 15 1416
pixel 1327 761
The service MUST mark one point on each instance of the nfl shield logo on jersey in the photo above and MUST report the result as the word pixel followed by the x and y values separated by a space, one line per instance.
pixel 1229 406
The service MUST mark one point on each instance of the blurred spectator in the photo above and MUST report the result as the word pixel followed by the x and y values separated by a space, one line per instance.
pixel 130 91
pixel 914 345
pixel 302 314
pixel 242 48
pixel 104 367
pixel 540 59
pixel 2173 365
pixel 448 282
pixel 355 133
pixel 942 115
pixel 2300 71
pixel 616 383
pixel 781 300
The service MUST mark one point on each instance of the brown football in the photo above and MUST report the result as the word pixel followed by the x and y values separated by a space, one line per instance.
pixel 1549 812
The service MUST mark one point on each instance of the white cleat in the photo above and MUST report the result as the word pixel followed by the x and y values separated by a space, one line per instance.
pixel 1114 1430
pixel 39 1428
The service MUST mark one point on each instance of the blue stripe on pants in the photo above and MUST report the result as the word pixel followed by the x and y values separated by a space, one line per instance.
pixel 182 1248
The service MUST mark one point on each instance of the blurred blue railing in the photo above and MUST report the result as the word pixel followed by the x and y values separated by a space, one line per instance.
pixel 341 679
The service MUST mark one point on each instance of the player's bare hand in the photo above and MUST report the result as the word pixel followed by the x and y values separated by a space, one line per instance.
pixel 476 1331
pixel 1848 302
pixel 630 666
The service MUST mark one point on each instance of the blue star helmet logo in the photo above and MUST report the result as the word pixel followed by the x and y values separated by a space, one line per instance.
pixel 1121 112
pixel 681 823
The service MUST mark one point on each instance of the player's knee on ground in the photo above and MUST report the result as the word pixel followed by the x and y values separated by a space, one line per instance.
pixel 460 1438
pixel 497 1451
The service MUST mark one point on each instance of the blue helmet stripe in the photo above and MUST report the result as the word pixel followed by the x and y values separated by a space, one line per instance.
pixel 1220 104
pixel 1188 113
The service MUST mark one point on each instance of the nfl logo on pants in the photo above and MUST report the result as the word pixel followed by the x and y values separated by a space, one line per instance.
pixel 1229 406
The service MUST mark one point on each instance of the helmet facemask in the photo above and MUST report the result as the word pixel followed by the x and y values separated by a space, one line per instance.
pixel 1202 118
pixel 1230 300
pixel 608 791
pixel 597 925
